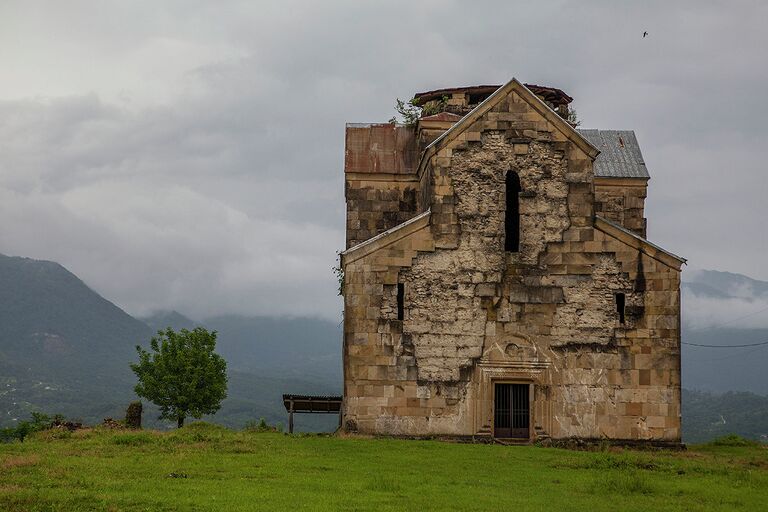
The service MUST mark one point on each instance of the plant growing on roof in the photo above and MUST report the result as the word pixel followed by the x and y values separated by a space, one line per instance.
pixel 411 111
pixel 572 118
pixel 338 271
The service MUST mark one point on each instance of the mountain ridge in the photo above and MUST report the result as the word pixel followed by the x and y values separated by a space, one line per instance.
pixel 66 349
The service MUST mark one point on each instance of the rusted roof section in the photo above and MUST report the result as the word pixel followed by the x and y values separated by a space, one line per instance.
pixel 380 148
pixel 442 116
pixel 551 94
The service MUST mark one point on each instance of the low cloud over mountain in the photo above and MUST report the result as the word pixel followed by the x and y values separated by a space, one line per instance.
pixel 718 299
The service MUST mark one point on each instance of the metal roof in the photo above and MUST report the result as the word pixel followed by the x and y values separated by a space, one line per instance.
pixel 380 148
pixel 620 155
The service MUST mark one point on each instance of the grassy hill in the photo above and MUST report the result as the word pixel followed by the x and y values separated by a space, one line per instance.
pixel 62 345
pixel 65 349
pixel 204 467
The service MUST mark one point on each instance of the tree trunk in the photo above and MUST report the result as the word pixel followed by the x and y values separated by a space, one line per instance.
pixel 181 421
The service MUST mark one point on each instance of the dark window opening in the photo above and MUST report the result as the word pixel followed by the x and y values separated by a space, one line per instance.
pixel 512 214
pixel 400 300
pixel 621 301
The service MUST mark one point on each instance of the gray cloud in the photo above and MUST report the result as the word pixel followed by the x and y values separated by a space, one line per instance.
pixel 189 155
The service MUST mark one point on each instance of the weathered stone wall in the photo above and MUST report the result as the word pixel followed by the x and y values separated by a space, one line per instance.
pixel 374 206
pixel 380 380
pixel 547 315
pixel 622 200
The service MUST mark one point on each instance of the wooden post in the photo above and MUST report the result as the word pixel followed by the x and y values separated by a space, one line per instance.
pixel 341 415
pixel 290 418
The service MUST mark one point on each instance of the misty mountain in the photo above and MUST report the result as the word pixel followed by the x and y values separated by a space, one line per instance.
pixel 65 349
pixel 61 344
pixel 725 284
pixel 161 320
pixel 267 357
pixel 279 346
pixel 723 308
pixel 284 346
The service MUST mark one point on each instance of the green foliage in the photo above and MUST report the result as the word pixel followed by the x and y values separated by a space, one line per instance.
pixel 182 374
pixel 435 108
pixel 338 271
pixel 261 426
pixel 572 117
pixel 411 111
pixel 23 429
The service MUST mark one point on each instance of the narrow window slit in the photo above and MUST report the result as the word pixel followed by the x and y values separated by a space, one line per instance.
pixel 621 301
pixel 512 213
pixel 400 300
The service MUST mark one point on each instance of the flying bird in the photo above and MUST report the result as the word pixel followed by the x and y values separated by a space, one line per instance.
pixel 645 34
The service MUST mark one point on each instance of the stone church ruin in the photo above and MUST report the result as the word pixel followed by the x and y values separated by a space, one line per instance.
pixel 497 278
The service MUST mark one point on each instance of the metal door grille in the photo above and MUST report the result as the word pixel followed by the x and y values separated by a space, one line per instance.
pixel 511 411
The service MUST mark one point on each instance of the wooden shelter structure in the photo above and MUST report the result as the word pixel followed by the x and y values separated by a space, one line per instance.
pixel 312 404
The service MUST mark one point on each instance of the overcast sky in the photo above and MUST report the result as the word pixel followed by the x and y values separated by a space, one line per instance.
pixel 189 155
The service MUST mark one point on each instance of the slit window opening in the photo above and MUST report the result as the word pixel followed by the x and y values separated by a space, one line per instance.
pixel 621 301
pixel 512 213
pixel 400 300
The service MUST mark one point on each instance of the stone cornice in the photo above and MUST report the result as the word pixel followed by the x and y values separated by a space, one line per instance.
pixel 637 242
pixel 386 238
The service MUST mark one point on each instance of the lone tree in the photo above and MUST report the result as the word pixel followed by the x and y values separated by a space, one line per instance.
pixel 181 374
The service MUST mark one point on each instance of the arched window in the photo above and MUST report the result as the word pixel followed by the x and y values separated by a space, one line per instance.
pixel 512 214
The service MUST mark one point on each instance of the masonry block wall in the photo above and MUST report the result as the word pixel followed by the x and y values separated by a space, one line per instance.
pixel 475 315
pixel 622 200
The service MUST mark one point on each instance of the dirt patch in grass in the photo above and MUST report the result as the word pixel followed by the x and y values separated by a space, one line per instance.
pixel 19 461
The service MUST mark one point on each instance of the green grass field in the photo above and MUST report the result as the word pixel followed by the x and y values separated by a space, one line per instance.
pixel 206 467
